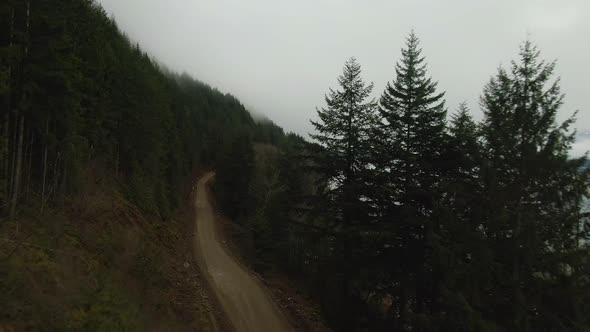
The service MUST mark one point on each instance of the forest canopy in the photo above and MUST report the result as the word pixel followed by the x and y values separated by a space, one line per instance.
pixel 76 91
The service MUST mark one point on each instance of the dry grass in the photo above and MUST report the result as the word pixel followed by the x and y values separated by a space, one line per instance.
pixel 94 261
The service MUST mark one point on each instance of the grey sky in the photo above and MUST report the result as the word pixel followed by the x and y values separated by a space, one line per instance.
pixel 280 57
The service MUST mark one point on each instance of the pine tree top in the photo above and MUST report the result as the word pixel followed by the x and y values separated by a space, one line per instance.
pixel 462 121
pixel 412 90
pixel 347 104
pixel 520 107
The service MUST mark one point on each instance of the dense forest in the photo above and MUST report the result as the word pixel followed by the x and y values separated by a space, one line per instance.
pixel 395 216
pixel 93 132
pixel 400 217
pixel 76 91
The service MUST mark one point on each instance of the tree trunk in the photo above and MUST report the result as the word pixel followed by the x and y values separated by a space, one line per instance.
pixel 29 156
pixel 5 159
pixel 117 162
pixel 17 170
pixel 56 172
pixel 64 177
pixel 44 183
pixel 403 303
pixel 5 151
pixel 19 149
pixel 12 148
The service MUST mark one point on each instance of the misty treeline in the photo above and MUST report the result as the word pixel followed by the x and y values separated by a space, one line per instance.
pixel 76 95
pixel 401 217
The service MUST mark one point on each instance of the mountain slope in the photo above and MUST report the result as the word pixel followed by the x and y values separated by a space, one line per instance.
pixel 98 147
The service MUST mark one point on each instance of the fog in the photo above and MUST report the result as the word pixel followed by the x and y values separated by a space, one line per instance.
pixel 280 57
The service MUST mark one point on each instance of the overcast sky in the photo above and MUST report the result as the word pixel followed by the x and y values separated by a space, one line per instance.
pixel 280 57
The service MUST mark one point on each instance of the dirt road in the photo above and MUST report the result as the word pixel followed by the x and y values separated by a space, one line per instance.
pixel 245 301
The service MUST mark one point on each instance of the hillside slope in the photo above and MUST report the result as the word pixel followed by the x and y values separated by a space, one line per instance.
pixel 98 147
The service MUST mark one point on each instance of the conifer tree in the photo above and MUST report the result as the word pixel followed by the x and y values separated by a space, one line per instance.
pixel 341 156
pixel 410 141
pixel 343 132
pixel 463 254
pixel 463 158
pixel 534 192
pixel 413 114
pixel 464 136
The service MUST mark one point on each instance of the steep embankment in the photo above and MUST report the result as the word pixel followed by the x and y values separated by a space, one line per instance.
pixel 97 145
pixel 96 262
pixel 246 302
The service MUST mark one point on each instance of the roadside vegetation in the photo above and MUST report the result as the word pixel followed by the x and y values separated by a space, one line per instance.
pixel 399 216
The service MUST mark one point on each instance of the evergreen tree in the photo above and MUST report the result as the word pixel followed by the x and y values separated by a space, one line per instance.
pixel 534 192
pixel 413 127
pixel 343 144
pixel 462 159
pixel 410 141
pixel 343 136
pixel 464 139
pixel 462 256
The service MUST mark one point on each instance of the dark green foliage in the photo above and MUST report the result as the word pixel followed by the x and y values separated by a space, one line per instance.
pixel 412 134
pixel 534 193
pixel 77 99
pixel 86 94
pixel 340 157
pixel 468 227
pixel 344 139
pixel 235 171
pixel 268 132
pixel 410 143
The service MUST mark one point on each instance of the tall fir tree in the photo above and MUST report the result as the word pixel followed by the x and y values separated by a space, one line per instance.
pixel 341 156
pixel 410 141
pixel 413 127
pixel 463 255
pixel 463 159
pixel 464 140
pixel 343 135
pixel 534 191
pixel 462 162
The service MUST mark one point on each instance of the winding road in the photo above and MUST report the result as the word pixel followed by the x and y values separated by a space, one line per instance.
pixel 244 299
